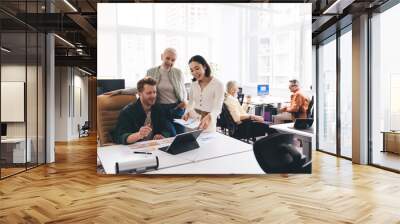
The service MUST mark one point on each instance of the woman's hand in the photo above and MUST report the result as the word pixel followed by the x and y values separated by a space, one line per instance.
pixel 182 105
pixel 205 122
pixel 185 117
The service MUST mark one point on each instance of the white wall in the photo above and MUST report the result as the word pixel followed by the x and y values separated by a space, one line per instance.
pixel 70 84
pixel 80 103
pixel 33 126
pixel 60 106
pixel 16 73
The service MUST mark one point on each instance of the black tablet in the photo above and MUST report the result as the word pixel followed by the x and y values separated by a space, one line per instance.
pixel 183 142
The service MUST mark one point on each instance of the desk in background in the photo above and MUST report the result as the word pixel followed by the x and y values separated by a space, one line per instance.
pixel 266 106
pixel 263 100
pixel 391 141
pixel 218 154
pixel 13 150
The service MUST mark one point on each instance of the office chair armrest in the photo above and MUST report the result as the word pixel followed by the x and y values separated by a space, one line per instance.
pixel 307 163
pixel 307 167
pixel 246 120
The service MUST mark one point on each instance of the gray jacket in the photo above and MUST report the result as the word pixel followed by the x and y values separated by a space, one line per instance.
pixel 176 78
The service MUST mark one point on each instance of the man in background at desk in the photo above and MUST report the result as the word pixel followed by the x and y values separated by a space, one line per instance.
pixel 298 104
pixel 143 119
pixel 254 124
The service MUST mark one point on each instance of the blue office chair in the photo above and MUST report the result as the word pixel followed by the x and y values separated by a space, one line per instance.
pixel 276 154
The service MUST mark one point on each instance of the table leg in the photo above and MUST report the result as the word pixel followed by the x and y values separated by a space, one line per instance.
pixel 307 149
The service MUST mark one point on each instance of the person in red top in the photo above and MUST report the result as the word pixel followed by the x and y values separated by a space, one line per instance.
pixel 298 104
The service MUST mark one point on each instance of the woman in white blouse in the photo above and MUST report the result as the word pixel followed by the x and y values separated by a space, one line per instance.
pixel 206 95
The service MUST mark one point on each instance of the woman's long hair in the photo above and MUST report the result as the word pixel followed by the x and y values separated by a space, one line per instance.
pixel 199 59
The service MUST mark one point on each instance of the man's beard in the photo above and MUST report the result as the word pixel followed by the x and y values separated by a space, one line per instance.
pixel 149 103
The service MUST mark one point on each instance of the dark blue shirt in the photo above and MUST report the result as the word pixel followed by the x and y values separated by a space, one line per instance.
pixel 132 118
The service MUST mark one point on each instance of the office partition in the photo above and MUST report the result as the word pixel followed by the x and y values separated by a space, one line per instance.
pixel 22 77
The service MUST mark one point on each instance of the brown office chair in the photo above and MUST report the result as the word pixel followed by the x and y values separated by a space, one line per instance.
pixel 108 109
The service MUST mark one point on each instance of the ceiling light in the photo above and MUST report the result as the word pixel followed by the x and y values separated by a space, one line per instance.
pixel 5 50
pixel 70 5
pixel 337 7
pixel 64 40
pixel 84 71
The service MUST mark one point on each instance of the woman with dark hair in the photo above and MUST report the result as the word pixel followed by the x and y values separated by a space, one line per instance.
pixel 206 95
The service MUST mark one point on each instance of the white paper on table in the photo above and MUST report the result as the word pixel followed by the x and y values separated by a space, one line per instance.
pixel 205 136
pixel 190 123
pixel 152 143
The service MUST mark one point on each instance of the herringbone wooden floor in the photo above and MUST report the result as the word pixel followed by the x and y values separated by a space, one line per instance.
pixel 70 191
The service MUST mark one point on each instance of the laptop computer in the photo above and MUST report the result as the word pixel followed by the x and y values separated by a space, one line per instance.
pixel 183 142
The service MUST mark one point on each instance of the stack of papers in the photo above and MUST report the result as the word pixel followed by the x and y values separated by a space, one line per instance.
pixel 152 144
pixel 190 123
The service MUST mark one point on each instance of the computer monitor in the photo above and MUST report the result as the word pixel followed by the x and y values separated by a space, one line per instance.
pixel 3 130
pixel 263 89
pixel 107 85
pixel 240 90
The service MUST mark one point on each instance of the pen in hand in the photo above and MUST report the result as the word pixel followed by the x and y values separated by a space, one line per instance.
pixel 147 153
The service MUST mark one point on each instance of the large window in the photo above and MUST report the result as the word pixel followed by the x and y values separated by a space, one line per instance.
pixel 335 73
pixel 385 84
pixel 277 42
pixel 252 43
pixel 140 42
pixel 346 93
pixel 327 96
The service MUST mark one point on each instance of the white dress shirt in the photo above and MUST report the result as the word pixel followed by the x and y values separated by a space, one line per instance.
pixel 209 99
pixel 235 109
